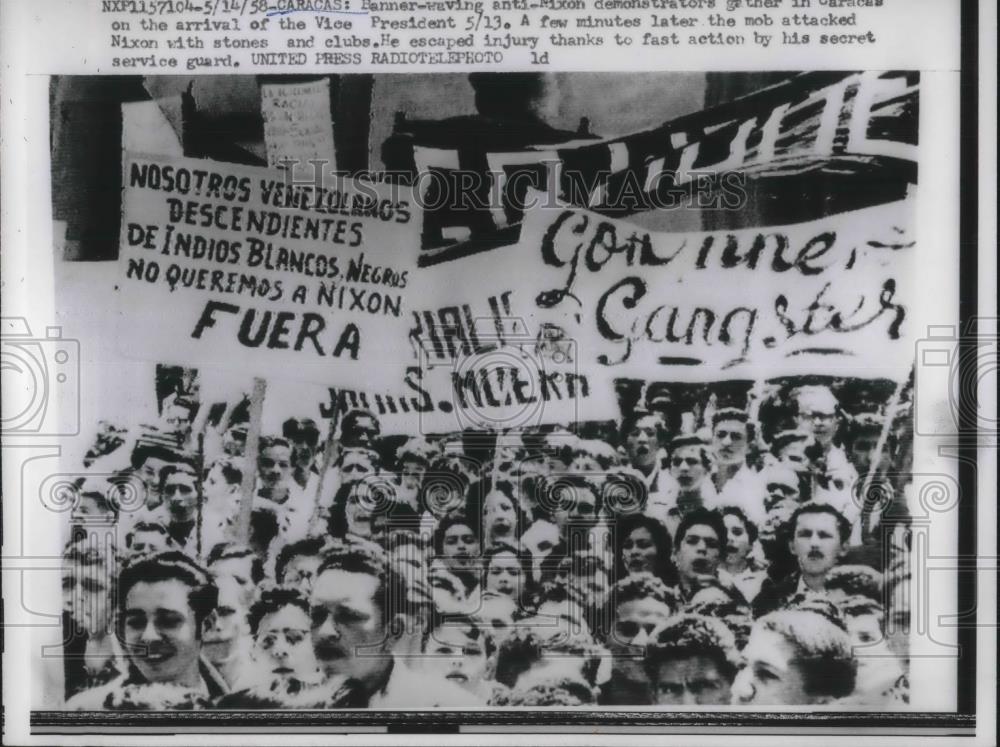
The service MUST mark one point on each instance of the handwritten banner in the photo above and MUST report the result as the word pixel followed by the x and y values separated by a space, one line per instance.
pixel 230 265
pixel 297 123
pixel 829 296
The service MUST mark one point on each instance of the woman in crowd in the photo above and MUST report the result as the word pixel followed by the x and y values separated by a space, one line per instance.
pixel 741 566
pixel 643 546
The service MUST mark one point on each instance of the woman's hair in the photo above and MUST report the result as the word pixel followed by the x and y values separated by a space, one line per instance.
pixel 378 495
pixel 525 560
pixel 623 528
pixel 475 503
pixel 739 514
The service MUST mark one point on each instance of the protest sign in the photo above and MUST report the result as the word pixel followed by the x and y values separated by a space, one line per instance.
pixel 233 266
pixel 486 365
pixel 297 123
pixel 828 296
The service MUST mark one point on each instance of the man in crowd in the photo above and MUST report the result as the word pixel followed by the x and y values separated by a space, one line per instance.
pixel 881 681
pixel 298 562
pixel 147 537
pixel 691 487
pixel 642 433
pixel 643 604
pixel 148 460
pixel 226 642
pixel 692 661
pixel 698 545
pixel 735 481
pixel 819 540
pixel 800 656
pixel 240 563
pixel 92 654
pixel 303 435
pixel 165 601
pixel 181 496
pixel 278 492
pixel 357 617
pixel 221 489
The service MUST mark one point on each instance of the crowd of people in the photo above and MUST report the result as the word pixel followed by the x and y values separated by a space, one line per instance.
pixel 747 555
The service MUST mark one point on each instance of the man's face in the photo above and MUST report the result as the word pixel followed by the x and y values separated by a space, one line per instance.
pixel 275 466
pixel 355 466
pixel 862 451
pixel 413 471
pixel 346 622
pixel 461 546
pixel 771 676
pixel 793 455
pixel 363 433
pixel 234 441
pixel 227 625
pixel 180 492
pixel 816 543
pixel 687 467
pixel 359 516
pixel 737 539
pixel 691 680
pixel 148 542
pixel 160 631
pixel 697 555
pixel 149 473
pixel 86 597
pixel 217 491
pixel 818 416
pixel 778 515
pixel 301 571
pixel 729 442
pixel 283 646
pixel 641 443
pixel 579 508
pixel 241 571
pixel 303 453
pixel 456 652
pixel 638 619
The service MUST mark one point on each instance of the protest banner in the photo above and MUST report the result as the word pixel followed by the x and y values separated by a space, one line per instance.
pixel 263 275
pixel 829 295
pixel 847 125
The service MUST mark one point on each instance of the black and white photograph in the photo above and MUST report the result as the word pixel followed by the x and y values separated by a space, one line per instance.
pixel 498 390
pixel 517 372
